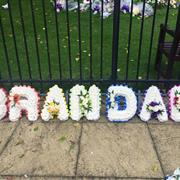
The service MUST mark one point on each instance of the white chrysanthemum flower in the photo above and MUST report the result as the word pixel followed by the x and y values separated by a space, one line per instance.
pixel 136 11
pixel 5 6
pixel 156 108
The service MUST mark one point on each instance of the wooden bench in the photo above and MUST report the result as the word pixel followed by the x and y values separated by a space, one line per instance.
pixel 170 49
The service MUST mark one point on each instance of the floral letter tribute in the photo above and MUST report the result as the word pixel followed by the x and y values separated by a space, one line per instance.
pixel 153 106
pixel 3 103
pixel 121 103
pixel 23 98
pixel 55 105
pixel 84 103
pixel 174 103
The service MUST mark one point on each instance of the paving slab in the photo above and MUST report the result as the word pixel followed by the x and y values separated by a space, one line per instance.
pixel 104 119
pixel 6 129
pixel 117 150
pixel 115 178
pixel 36 178
pixel 42 149
pixel 167 141
pixel 65 178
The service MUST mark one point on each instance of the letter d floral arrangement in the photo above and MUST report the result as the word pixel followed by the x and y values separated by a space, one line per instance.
pixel 121 104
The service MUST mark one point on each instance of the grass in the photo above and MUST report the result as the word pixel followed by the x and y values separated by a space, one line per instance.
pixel 85 41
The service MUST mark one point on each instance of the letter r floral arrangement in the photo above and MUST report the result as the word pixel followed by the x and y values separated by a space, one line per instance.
pixel 106 7
pixel 122 104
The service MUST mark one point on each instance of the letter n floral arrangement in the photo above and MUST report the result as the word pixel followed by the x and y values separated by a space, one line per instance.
pixel 85 103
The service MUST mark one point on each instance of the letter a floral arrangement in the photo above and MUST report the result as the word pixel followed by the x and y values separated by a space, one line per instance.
pixel 121 104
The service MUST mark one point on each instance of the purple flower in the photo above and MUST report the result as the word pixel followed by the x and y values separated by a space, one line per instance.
pixel 155 114
pixel 125 8
pixel 58 6
pixel 96 8
pixel 106 1
pixel 153 103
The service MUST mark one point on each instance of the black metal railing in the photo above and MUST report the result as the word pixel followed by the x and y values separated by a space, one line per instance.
pixel 41 47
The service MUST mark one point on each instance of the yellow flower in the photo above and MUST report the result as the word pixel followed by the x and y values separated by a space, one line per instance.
pixel 53 109
pixel 136 11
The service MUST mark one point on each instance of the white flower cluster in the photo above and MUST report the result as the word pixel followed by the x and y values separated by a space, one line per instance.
pixel 3 103
pixel 153 95
pixel 156 108
pixel 141 9
pixel 108 6
pixel 55 105
pixel 174 103
pixel 173 3
pixel 113 113
pixel 23 98
pixel 175 176
pixel 85 103
pixel 136 11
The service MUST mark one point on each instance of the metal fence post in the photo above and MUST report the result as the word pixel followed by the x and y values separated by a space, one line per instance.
pixel 115 40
